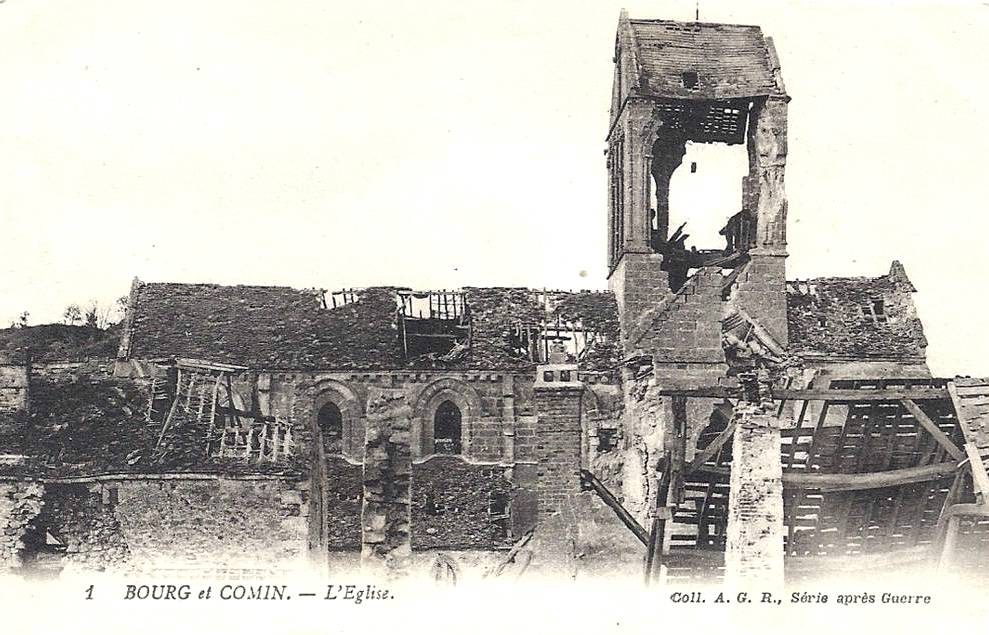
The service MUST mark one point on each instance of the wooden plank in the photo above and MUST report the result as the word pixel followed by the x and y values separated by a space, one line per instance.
pixel 837 394
pixel 833 394
pixel 865 444
pixel 979 476
pixel 850 482
pixel 612 502
pixel 870 562
pixel 701 457
pixel 212 415
pixel 932 428
pixel 657 534
pixel 962 419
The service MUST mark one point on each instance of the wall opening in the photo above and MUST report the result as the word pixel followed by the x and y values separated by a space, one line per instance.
pixel 330 421
pixel 447 428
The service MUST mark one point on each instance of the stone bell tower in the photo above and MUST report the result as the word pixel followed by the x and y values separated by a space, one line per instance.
pixel 680 82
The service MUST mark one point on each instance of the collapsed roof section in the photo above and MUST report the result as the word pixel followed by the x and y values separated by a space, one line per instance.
pixel 373 328
pixel 855 318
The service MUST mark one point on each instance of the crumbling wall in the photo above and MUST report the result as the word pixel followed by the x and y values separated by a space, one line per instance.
pixel 14 389
pixel 20 502
pixel 647 419
pixel 344 496
pixel 835 319
pixel 386 511
pixel 213 524
pixel 459 505
pixel 754 549
pixel 82 518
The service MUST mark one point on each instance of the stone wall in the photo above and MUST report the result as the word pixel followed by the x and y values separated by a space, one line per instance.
pixel 20 502
pixel 14 389
pixel 344 495
pixel 213 524
pixel 649 425
pixel 82 518
pixel 386 512
pixel 639 286
pixel 458 505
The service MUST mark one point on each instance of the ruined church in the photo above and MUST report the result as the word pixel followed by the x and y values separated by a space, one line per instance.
pixel 703 418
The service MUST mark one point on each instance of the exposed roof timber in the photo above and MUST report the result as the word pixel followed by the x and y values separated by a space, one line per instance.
pixel 891 394
pixel 861 481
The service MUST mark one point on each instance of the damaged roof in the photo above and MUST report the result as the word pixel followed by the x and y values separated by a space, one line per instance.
pixel 286 328
pixel 720 61
pixel 84 422
pixel 855 318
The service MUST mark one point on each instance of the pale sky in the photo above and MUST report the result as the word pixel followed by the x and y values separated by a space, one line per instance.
pixel 444 144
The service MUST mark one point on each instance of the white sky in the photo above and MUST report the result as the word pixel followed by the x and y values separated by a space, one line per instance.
pixel 441 144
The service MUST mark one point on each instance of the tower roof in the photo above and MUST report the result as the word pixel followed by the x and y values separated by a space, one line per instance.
pixel 700 60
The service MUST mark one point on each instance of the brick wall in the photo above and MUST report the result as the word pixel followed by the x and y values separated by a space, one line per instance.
pixel 754 549
pixel 639 286
pixel 687 327
pixel 558 440
pixel 760 290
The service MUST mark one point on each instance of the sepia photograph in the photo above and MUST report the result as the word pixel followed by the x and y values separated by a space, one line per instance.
pixel 324 317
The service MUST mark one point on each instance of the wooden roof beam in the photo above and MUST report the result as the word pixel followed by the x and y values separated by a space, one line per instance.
pixel 852 482
pixel 846 394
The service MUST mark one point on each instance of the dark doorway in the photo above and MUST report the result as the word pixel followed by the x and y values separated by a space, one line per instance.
pixel 330 422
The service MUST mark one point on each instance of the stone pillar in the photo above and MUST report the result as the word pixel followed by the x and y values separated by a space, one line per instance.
pixel 761 287
pixel 754 551
pixel 558 392
pixel 667 156
pixel 766 144
pixel 386 515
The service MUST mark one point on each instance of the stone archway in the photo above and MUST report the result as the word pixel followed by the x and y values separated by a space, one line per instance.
pixel 351 414
pixel 446 389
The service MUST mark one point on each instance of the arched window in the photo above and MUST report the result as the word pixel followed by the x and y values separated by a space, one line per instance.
pixel 330 422
pixel 446 429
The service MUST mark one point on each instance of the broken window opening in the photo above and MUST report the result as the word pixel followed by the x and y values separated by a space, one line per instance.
pixel 690 79
pixel 330 422
pixel 535 342
pixel 447 429
pixel 499 513
pixel 702 199
pixel 878 310
pixel 341 298
pixel 607 439
pixel 434 324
